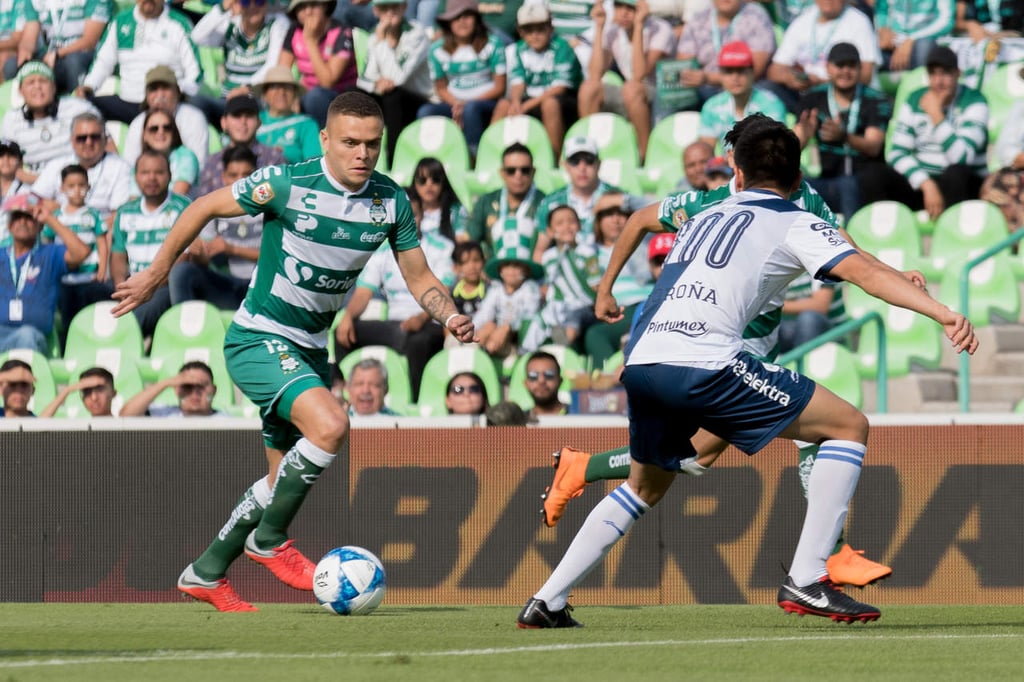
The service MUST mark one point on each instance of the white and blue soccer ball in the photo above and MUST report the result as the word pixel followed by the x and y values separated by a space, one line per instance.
pixel 349 581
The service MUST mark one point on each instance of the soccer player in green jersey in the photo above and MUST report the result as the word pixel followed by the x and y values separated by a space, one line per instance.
pixel 574 469
pixel 323 219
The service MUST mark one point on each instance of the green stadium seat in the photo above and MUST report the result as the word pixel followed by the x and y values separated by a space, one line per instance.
pixel 834 367
pixel 909 82
pixel 1002 90
pixel 887 230
pixel 992 291
pixel 46 387
pixel 399 395
pixel 193 330
pixel 616 141
pixel 97 338
pixel 669 138
pixel 360 42
pixel 211 60
pixel 569 360
pixel 445 364
pixel 614 362
pixel 496 138
pixel 434 136
pixel 376 309
pixel 964 230
pixel 910 339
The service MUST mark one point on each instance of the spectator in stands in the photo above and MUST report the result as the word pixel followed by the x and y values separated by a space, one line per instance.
pixel 89 283
pixel 470 288
pixel 141 226
pixel 219 264
pixel 10 164
pixel 96 385
pixel 786 11
pixel 907 31
pixel 322 51
pixel 1005 189
pixel 511 209
pixel 543 379
pixel 512 300
pixel 17 385
pixel 434 202
pixel 466 394
pixel 110 178
pixel 42 125
pixel 396 71
pixel 739 98
pixel 1009 149
pixel 467 65
pixel 358 13
pixel 718 172
pixel 811 308
pixel 634 42
pixel 250 34
pixel 695 159
pixel 800 61
pixel 367 388
pixel 295 134
pixel 984 20
pixel 148 35
pixel 162 93
pixel 240 122
pixel 725 22
pixel 544 75
pixel 938 147
pixel 64 37
pixel 12 23
pixel 29 289
pixel 160 133
pixel 582 165
pixel 506 413
pixel 848 120
pixel 193 386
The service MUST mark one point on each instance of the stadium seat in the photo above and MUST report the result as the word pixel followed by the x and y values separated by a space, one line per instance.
pixel 569 360
pixel 434 136
pixel 887 230
pixel 376 309
pixel 910 339
pixel 614 362
pixel 499 135
pixel 445 364
pixel 97 338
pixel 399 395
pixel 46 387
pixel 615 138
pixel 1002 90
pixel 992 290
pixel 360 43
pixel 834 367
pixel 964 230
pixel 127 382
pixel 211 60
pixel 188 331
pixel 909 82
pixel 669 138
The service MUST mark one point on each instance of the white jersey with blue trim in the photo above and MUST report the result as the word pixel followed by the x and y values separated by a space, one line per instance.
pixel 727 263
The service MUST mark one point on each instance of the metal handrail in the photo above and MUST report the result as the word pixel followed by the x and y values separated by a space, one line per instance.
pixel 963 389
pixel 797 354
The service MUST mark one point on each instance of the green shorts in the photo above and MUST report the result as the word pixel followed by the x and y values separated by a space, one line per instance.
pixel 272 372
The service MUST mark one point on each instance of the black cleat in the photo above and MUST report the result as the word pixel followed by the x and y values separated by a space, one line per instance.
pixel 536 615
pixel 823 598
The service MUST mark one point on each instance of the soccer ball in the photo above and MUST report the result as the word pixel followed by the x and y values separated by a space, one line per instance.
pixel 349 581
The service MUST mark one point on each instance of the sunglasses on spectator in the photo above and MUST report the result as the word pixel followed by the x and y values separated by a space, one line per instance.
pixel 577 159
pixel 432 177
pixel 93 389
pixel 159 128
pixel 548 374
pixel 191 388
pixel 472 389
pixel 88 137
pixel 514 170
pixel 19 385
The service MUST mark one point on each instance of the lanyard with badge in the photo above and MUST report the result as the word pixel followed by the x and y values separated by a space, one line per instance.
pixel 817 56
pixel 15 311
pixel 852 119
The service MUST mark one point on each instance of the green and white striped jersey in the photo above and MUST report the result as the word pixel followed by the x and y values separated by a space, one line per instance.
pixel 317 237
pixel 140 233
pixel 88 225
pixel 63 21
pixel 541 71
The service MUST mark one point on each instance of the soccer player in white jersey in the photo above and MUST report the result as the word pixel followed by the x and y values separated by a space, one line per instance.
pixel 323 219
pixel 686 369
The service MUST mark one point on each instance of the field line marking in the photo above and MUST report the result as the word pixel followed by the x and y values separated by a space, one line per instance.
pixel 186 655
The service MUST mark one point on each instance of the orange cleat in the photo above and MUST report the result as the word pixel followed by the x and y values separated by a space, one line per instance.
pixel 219 593
pixel 285 562
pixel 570 480
pixel 849 567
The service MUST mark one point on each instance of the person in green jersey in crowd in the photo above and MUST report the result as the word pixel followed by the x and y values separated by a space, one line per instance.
pixel 323 219
pixel 297 135
pixel 574 469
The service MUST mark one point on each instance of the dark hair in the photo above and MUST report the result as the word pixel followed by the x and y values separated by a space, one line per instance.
pixel 479 382
pixel 462 248
pixel 12 363
pixel 73 169
pixel 238 153
pixel 478 40
pixel 100 372
pixel 769 156
pixel 544 355
pixel 431 166
pixel 175 133
pixel 197 364
pixel 154 154
pixel 507 413
pixel 11 148
pixel 517 148
pixel 563 207
pixel 732 136
pixel 354 103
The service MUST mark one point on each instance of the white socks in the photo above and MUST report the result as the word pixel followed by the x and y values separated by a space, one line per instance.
pixel 831 484
pixel 610 520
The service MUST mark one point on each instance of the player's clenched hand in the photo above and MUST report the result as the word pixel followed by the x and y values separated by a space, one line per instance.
pixel 916 277
pixel 461 327
pixel 960 331
pixel 135 291
pixel 606 308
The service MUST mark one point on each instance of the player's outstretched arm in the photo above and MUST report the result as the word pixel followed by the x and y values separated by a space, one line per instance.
pixel 637 227
pixel 892 287
pixel 432 295
pixel 916 277
pixel 140 287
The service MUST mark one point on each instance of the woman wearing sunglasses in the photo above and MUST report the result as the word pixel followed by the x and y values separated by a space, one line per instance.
pixel 466 394
pixel 160 133
pixel 434 201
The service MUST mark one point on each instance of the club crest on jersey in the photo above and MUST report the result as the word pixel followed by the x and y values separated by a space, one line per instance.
pixel 378 214
pixel 262 193
pixel 289 365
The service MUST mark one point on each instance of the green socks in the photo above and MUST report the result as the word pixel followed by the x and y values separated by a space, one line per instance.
pixel 609 465
pixel 299 470
pixel 227 546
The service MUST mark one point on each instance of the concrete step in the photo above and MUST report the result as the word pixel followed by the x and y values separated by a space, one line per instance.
pixel 976 406
pixel 994 342
pixel 997 388
pixel 908 393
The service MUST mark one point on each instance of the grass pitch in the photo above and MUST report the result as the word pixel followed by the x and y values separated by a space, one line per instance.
pixel 190 642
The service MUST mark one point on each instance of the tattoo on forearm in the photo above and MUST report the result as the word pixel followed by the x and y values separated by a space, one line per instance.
pixel 438 303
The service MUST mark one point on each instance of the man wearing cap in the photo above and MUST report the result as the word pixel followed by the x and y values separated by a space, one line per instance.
pixel 396 71
pixel 240 122
pixel 718 172
pixel 136 40
pixel 634 41
pixel 848 120
pixel 296 135
pixel 43 123
pixel 739 97
pixel 585 188
pixel 800 61
pixel 162 92
pixel 32 271
pixel 64 35
pixel 511 209
pixel 544 75
pixel 938 147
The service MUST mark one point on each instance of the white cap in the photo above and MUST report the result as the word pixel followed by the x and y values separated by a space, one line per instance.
pixel 532 13
pixel 580 145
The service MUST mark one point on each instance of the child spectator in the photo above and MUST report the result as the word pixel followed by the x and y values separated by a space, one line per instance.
pixel 510 304
pixel 469 290
pixel 10 164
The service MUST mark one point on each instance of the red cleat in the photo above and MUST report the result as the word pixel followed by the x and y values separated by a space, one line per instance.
pixel 285 562
pixel 849 567
pixel 570 480
pixel 218 593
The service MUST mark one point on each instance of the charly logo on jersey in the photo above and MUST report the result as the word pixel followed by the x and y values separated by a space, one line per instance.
pixel 295 271
pixel 305 223
pixel 378 214
pixel 262 193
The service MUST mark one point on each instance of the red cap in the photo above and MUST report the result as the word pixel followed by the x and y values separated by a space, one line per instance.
pixel 735 55
pixel 21 203
pixel 660 245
